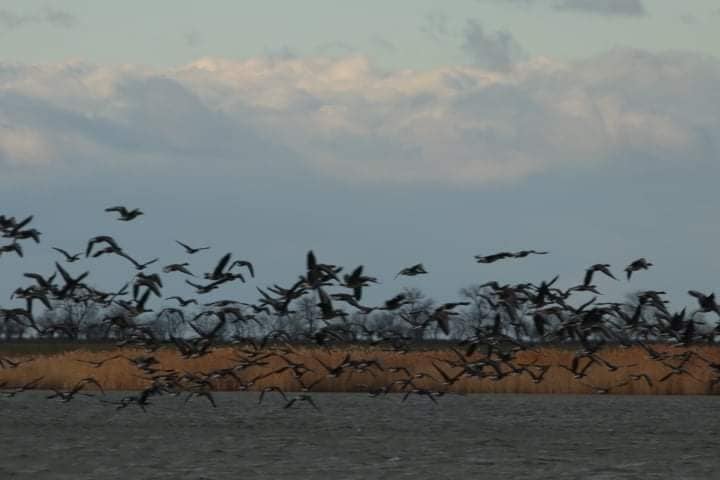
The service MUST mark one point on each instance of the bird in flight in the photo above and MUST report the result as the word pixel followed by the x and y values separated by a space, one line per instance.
pixel 639 264
pixel 598 267
pixel 68 257
pixel 302 398
pixel 125 214
pixel 502 255
pixel 190 250
pixel 412 271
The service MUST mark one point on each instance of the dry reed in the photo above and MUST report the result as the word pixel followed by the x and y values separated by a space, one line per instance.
pixel 62 371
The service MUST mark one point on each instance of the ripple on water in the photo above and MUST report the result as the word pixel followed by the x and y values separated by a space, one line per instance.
pixel 354 436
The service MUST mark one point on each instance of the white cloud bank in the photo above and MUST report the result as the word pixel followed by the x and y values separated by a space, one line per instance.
pixel 343 118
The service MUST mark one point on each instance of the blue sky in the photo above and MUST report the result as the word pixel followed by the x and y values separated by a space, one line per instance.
pixel 381 133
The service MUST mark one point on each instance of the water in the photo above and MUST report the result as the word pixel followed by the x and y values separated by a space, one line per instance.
pixel 354 436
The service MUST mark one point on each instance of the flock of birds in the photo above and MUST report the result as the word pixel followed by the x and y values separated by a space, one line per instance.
pixel 517 317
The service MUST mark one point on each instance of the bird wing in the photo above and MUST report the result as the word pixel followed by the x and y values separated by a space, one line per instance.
pixel 186 247
pixel 311 261
pixel 221 265
pixel 120 209
pixel 67 255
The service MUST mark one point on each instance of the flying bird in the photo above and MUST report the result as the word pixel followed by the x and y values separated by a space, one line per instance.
pixel 125 214
pixel 707 303
pixel 598 267
pixel 68 257
pixel 178 267
pixel 191 250
pixel 502 255
pixel 639 264
pixel 412 271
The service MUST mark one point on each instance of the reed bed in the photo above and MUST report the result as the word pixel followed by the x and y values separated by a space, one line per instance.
pixel 63 370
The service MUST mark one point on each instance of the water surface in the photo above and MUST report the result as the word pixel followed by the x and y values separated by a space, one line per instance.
pixel 354 436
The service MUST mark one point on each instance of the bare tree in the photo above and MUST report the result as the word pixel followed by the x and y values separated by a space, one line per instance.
pixel 308 312
pixel 479 312
pixel 71 319
pixel 416 312
pixel 11 328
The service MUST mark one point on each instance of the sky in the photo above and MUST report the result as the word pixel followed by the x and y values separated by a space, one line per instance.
pixel 376 133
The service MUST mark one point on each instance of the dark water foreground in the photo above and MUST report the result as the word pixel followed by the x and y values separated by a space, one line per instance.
pixel 558 437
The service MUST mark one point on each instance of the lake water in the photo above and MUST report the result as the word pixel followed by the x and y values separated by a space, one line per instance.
pixel 354 436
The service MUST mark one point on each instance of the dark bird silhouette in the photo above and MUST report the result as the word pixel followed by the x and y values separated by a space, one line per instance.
pixel 302 398
pixel 537 377
pixel 639 264
pixel 677 370
pixel 13 391
pixel 68 257
pixel 351 300
pixel 417 269
pixel 357 281
pixel 707 303
pixel 243 263
pixel 335 371
pixel 183 302
pixel 13 247
pixel 503 255
pixel 598 267
pixel 396 302
pixel 79 386
pixel 448 380
pixel 441 315
pixel 138 265
pixel 219 272
pixel 178 267
pixel 70 283
pixel 9 363
pixel 191 250
pixel 125 214
pixel 423 392
pixel 202 393
pixel 141 400
pixel 271 389
pixel 106 239
pixel 100 363
pixel 575 369
pixel 319 274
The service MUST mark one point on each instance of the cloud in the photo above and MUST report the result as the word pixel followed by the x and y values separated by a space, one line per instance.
pixel 630 8
pixel 435 25
pixel 344 118
pixel 496 51
pixel 10 20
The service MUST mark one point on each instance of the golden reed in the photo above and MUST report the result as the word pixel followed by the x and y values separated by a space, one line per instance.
pixel 62 371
